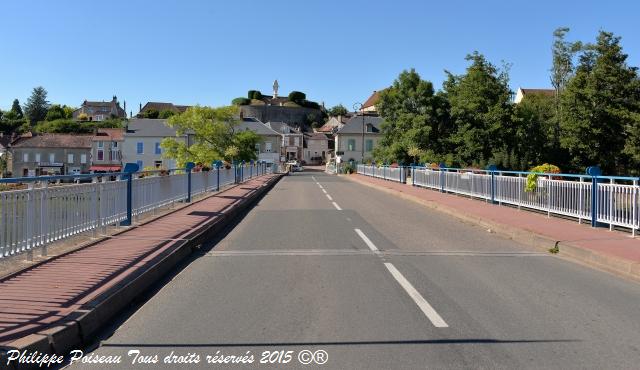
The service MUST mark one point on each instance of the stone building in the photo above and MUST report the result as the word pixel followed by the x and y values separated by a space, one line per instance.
pixel 101 110
pixel 51 154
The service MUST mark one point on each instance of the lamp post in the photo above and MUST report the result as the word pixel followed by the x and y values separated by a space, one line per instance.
pixel 358 107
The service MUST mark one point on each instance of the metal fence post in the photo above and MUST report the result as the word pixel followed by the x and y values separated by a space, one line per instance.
pixel 443 174
pixel 634 208
pixel 492 168
pixel 189 166
pixel 129 170
pixel 594 172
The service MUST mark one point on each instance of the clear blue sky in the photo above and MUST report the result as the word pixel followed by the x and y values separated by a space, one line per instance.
pixel 209 52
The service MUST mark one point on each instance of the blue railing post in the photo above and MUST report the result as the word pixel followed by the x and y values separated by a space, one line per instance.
pixel 251 169
pixel 217 165
pixel 242 171
pixel 188 167
pixel 594 172
pixel 129 170
pixel 492 168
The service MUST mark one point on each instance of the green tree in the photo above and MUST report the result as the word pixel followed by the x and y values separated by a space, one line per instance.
pixel 414 120
pixel 166 114
pixel 68 111
pixel 37 105
pixel 151 113
pixel 215 136
pixel 600 107
pixel 241 101
pixel 16 109
pixel 338 110
pixel 534 122
pixel 481 112
pixel 55 112
pixel 297 96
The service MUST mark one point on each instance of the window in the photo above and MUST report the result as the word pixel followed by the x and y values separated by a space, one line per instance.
pixel 25 157
pixel 100 155
pixel 258 148
pixel 140 148
pixel 267 147
pixel 37 157
pixel 351 145
pixel 83 158
pixel 157 164
pixel 158 149
pixel 369 127
pixel 100 144
pixel 114 144
pixel 139 165
pixel 296 141
pixel 70 158
pixel 368 145
pixel 52 157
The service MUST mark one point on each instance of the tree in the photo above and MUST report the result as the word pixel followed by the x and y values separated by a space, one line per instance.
pixel 16 109
pixel 241 101
pixel 481 112
pixel 151 113
pixel 37 105
pixel 166 114
pixel 297 96
pixel 55 112
pixel 414 118
pixel 338 110
pixel 215 136
pixel 600 107
pixel 534 121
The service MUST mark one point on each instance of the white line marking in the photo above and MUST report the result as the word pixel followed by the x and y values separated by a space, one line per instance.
pixel 320 186
pixel 324 191
pixel 337 206
pixel 426 308
pixel 367 241
pixel 329 197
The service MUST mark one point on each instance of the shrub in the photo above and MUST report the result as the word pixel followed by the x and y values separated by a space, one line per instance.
pixel 348 168
pixel 309 104
pixel 532 179
pixel 166 114
pixel 240 101
pixel 151 113
pixel 297 96
pixel 83 117
pixel 254 94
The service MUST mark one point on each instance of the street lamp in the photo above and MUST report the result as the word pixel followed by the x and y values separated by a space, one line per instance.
pixel 359 107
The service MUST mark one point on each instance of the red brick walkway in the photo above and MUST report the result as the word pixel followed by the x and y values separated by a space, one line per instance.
pixel 46 294
pixel 600 240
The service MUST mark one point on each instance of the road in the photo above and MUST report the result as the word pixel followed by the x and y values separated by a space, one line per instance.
pixel 378 282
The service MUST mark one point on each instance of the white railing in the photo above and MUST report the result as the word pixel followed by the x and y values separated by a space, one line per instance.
pixel 44 213
pixel 397 174
pixel 561 194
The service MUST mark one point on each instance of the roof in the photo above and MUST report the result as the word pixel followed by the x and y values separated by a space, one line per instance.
pixel 54 141
pixel 373 100
pixel 317 136
pixel 282 128
pixel 112 134
pixel 147 127
pixel 255 125
pixel 354 125
pixel 159 106
pixel 549 92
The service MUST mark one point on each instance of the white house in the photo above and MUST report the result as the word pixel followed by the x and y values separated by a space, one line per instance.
pixel 142 143
pixel 349 139
pixel 268 149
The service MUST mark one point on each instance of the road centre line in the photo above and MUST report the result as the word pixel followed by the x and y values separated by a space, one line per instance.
pixel 337 206
pixel 329 197
pixel 324 191
pixel 422 303
pixel 367 241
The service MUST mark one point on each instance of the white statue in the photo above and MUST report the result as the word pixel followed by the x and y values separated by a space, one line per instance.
pixel 275 89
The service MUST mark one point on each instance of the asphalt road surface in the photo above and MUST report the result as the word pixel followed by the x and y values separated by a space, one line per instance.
pixel 341 276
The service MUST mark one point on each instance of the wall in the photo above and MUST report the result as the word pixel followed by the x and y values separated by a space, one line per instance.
pixel 60 154
pixel 356 154
pixel 275 113
pixel 149 156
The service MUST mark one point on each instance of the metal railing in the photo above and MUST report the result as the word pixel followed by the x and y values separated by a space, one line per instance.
pixel 397 174
pixel 48 209
pixel 609 200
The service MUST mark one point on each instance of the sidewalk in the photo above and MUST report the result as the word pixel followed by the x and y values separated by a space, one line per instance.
pixel 56 304
pixel 613 251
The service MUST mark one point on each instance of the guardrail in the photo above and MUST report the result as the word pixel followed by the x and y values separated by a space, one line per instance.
pixel 44 212
pixel 397 174
pixel 610 200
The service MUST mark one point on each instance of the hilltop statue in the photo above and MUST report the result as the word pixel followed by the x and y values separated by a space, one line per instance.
pixel 275 89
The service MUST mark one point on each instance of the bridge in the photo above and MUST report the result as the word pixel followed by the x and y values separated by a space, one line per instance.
pixel 390 270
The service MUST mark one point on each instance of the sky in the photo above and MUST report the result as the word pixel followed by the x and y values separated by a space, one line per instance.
pixel 209 52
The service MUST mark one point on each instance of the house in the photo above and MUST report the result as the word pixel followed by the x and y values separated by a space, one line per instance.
pixel 292 141
pixel 51 154
pixel 100 110
pixel 349 142
pixel 160 107
pixel 334 124
pixel 142 140
pixel 268 149
pixel 369 106
pixel 316 148
pixel 521 93
pixel 106 150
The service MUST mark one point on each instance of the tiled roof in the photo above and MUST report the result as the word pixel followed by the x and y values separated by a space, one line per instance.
pixel 147 127
pixel 548 92
pixel 54 141
pixel 373 100
pixel 354 125
pixel 164 106
pixel 113 134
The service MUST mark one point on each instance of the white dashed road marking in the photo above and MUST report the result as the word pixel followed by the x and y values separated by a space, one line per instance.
pixel 329 197
pixel 337 206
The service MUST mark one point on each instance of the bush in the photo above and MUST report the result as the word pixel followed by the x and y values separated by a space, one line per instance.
pixel 240 101
pixel 83 117
pixel 151 113
pixel 254 94
pixel 532 179
pixel 297 96
pixel 166 114
pixel 348 168
pixel 309 104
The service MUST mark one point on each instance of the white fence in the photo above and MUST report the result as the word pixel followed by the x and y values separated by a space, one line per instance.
pixel 397 174
pixel 44 213
pixel 561 194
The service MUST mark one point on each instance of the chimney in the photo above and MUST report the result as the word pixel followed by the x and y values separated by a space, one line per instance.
pixel 140 110
pixel 124 108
